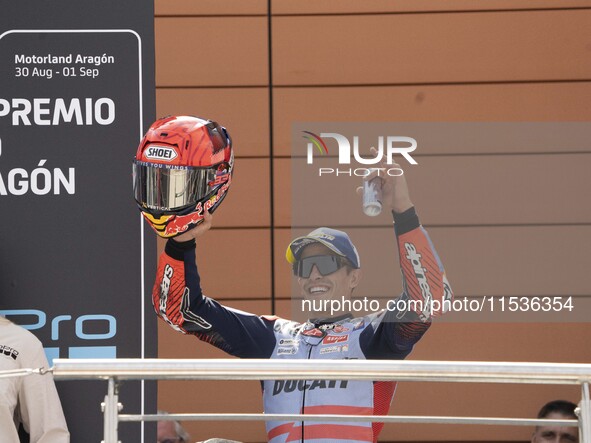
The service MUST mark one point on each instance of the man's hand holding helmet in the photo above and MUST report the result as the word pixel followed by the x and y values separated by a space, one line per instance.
pixel 182 169
pixel 197 231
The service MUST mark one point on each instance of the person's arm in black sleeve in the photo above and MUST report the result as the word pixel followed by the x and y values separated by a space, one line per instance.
pixel 425 284
pixel 178 299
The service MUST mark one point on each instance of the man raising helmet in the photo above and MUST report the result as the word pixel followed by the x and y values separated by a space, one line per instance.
pixel 327 267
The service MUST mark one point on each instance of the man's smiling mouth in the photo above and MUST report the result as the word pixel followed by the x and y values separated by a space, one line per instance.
pixel 317 289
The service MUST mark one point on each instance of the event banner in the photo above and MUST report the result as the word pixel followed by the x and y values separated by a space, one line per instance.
pixel 76 95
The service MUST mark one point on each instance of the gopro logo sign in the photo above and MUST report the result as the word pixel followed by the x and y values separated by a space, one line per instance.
pixel 386 146
pixel 91 327
pixel 161 153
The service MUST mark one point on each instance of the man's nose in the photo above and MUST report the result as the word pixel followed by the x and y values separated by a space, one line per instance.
pixel 315 273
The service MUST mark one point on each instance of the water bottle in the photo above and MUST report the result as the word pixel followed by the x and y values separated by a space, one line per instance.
pixel 372 196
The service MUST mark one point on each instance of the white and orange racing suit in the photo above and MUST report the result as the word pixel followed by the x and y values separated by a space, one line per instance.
pixel 387 334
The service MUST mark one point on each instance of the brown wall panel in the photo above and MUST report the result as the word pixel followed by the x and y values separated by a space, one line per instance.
pixel 235 263
pixel 489 342
pixel 376 6
pixel 545 102
pixel 227 271
pixel 283 272
pixel 472 400
pixel 283 192
pixel 479 261
pixel 516 260
pixel 475 190
pixel 210 396
pixel 427 48
pixel 248 7
pixel 448 190
pixel 244 111
pixel 211 51
pixel 209 7
pixel 248 200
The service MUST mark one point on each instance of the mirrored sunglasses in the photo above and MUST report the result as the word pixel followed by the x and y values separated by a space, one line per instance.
pixel 326 264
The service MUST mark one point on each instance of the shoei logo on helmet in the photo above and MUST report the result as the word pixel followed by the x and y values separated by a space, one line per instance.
pixel 386 146
pixel 160 153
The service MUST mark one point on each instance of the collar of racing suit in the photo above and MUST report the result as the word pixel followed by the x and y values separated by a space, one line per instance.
pixel 327 321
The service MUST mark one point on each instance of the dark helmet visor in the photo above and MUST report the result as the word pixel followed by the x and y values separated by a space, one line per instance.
pixel 169 188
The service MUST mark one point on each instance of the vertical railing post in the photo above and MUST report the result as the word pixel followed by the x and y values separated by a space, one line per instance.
pixel 585 415
pixel 111 408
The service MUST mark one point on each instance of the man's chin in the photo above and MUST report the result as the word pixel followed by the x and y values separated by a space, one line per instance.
pixel 319 296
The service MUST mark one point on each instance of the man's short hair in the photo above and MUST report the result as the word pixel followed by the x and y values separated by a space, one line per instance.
pixel 562 407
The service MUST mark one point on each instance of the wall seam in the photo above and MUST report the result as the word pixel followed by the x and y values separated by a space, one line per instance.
pixel 271 165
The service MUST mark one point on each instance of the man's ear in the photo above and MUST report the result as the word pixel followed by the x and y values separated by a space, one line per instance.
pixel 354 278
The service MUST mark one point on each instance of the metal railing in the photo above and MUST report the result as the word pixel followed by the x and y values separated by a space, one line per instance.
pixel 114 370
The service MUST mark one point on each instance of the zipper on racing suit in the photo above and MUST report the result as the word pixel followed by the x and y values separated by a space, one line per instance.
pixel 304 395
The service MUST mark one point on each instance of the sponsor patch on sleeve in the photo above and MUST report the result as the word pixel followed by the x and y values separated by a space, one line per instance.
pixel 287 350
pixel 334 349
pixel 332 339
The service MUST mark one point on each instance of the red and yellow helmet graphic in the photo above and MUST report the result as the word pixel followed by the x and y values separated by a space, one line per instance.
pixel 183 166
